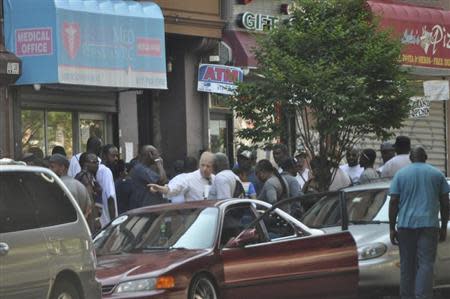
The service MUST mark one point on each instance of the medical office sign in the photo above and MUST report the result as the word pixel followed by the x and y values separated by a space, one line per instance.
pixel 220 79
pixel 34 42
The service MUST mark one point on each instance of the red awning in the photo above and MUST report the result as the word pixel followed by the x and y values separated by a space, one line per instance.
pixel 242 44
pixel 424 32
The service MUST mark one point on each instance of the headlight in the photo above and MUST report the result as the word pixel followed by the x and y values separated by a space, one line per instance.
pixel 147 284
pixel 371 251
pixel 136 285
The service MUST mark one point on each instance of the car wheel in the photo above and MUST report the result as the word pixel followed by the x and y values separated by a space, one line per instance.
pixel 202 288
pixel 64 290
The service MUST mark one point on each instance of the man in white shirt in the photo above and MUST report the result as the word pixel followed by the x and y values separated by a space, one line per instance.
pixel 352 168
pixel 302 169
pixel 225 180
pixel 194 185
pixel 402 147
pixel 387 153
pixel 104 177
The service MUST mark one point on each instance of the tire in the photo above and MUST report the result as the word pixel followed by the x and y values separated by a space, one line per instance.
pixel 202 288
pixel 63 289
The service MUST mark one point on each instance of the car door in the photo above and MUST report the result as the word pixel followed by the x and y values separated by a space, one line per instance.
pixel 323 266
pixel 23 249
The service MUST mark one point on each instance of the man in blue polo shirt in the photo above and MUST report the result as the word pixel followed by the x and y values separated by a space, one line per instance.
pixel 418 192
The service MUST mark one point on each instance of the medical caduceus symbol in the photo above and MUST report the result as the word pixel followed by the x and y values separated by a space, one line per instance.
pixel 71 38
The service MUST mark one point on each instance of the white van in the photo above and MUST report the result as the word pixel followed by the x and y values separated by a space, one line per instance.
pixel 46 249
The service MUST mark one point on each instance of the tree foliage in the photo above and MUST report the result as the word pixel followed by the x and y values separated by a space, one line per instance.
pixel 333 68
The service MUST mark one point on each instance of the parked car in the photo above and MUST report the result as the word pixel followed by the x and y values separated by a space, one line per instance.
pixel 46 249
pixel 366 210
pixel 237 248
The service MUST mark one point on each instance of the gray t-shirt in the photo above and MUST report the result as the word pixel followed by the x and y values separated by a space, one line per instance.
pixel 368 175
pixel 272 190
pixel 79 192
pixel 223 185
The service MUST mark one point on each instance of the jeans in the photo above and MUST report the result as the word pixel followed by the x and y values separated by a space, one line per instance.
pixel 417 255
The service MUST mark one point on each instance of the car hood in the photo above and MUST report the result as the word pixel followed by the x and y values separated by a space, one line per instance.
pixel 114 268
pixel 365 233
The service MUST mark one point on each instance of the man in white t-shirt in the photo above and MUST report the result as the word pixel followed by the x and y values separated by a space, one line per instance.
pixel 387 151
pixel 402 147
pixel 352 168
pixel 302 168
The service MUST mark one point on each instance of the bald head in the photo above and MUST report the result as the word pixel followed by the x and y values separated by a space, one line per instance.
pixel 206 164
pixel 148 154
pixel 418 154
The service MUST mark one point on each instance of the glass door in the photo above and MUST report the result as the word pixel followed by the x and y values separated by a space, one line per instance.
pixel 92 124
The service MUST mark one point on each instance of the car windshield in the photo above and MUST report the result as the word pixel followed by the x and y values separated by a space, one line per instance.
pixel 362 208
pixel 159 230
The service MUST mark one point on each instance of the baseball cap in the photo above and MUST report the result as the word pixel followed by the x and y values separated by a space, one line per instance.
pixel 246 154
pixel 59 159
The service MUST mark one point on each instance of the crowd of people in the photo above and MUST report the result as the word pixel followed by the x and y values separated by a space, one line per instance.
pixel 105 186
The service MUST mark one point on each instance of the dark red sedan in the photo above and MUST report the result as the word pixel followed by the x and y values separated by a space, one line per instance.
pixel 233 249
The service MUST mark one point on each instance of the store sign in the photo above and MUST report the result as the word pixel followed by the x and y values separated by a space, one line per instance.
pixel 88 44
pixel 220 79
pixel 257 22
pixel 34 42
pixel 428 46
pixel 423 32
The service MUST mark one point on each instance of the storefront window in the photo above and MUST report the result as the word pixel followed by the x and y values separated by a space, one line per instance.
pixel 46 129
pixel 33 129
pixel 59 131
pixel 91 124
pixel 218 135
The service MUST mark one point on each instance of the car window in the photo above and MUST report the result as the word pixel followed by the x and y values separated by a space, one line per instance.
pixel 326 212
pixel 194 228
pixel 17 211
pixel 276 226
pixel 365 205
pixel 236 219
pixel 362 207
pixel 53 205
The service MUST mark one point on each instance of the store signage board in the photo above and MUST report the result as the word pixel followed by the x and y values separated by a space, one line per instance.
pixel 219 79
pixel 85 43
pixel 257 22
pixel 424 33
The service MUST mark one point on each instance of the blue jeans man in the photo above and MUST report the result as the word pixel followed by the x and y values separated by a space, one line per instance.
pixel 418 193
pixel 418 252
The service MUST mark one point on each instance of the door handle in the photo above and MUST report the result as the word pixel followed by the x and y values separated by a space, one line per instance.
pixel 4 249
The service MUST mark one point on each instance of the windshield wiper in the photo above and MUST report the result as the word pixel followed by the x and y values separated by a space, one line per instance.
pixel 367 222
pixel 150 248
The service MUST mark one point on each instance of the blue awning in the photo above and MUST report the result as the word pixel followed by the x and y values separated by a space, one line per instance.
pixel 111 43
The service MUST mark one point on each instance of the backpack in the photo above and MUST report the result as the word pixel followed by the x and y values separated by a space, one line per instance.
pixel 239 191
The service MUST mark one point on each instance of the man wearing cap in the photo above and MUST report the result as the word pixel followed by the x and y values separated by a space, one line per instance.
pixel 246 171
pixel 402 147
pixel 60 165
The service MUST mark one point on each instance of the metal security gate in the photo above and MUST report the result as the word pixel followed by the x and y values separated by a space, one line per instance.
pixel 428 132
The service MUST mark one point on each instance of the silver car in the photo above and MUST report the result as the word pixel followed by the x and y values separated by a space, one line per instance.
pixel 366 210
pixel 46 249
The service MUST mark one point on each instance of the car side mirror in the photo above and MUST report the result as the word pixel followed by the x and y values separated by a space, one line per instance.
pixel 246 237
